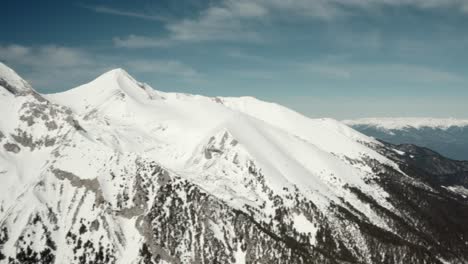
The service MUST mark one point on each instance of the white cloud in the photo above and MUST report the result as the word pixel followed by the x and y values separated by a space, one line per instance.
pixel 133 41
pixel 240 55
pixel 247 8
pixel 44 56
pixel 118 12
pixel 169 67
pixel 383 72
pixel 53 65
pixel 235 20
pixel 224 22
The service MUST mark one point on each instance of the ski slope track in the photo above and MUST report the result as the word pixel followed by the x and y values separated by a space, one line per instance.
pixel 114 171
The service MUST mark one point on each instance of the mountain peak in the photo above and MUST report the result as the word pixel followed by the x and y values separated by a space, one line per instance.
pixel 116 75
pixel 12 82
pixel 116 85
pixel 118 72
pixel 113 82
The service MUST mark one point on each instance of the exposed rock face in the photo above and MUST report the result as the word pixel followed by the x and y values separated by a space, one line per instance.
pixel 11 147
pixel 12 83
pixel 77 189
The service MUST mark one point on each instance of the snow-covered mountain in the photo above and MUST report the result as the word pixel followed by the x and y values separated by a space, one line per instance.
pixel 447 136
pixel 116 172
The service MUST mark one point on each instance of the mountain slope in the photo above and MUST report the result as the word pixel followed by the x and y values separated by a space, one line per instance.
pixel 447 136
pixel 132 175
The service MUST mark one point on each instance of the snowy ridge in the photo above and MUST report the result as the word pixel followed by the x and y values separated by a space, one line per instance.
pixel 303 150
pixel 409 122
pixel 12 82
pixel 326 133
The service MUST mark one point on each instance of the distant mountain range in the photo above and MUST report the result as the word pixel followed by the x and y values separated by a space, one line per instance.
pixel 114 171
pixel 446 136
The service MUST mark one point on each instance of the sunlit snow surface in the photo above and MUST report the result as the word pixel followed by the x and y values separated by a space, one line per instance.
pixel 174 128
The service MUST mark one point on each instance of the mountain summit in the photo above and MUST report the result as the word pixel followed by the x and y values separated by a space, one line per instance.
pixel 113 85
pixel 115 172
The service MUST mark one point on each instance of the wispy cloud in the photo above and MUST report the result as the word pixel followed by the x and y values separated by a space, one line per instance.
pixel 167 67
pixel 225 22
pixel 235 21
pixel 44 56
pixel 52 65
pixel 383 72
pixel 118 12
pixel 241 55
pixel 217 23
pixel 133 41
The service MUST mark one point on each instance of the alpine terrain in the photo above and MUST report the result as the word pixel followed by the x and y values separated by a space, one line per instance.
pixel 447 136
pixel 114 171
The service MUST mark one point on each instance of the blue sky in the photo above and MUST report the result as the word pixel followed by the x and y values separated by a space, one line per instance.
pixel 333 58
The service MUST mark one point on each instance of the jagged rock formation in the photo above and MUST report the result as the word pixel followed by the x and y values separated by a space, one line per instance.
pixel 116 172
